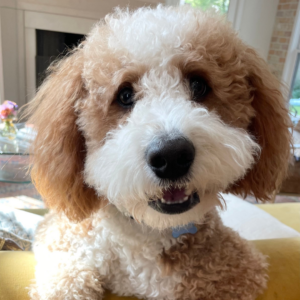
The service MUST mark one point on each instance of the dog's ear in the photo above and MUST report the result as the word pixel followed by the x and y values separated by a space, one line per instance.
pixel 269 127
pixel 59 147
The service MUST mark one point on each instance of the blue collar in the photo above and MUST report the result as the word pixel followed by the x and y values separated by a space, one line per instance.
pixel 189 228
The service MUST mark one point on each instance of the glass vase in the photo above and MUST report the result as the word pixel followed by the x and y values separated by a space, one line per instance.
pixel 8 129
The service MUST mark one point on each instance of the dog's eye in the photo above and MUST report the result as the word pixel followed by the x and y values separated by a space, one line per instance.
pixel 125 97
pixel 198 88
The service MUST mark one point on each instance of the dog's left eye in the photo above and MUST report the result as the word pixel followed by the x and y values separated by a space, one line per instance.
pixel 198 88
pixel 125 97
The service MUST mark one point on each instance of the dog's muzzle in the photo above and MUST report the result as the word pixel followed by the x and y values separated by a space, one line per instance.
pixel 170 158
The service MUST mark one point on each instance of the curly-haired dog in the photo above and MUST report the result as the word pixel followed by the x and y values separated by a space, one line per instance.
pixel 139 130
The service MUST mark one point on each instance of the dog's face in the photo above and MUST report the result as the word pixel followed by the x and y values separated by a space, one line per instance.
pixel 157 112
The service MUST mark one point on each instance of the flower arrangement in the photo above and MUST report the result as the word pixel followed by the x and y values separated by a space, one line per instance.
pixel 8 110
pixel 8 113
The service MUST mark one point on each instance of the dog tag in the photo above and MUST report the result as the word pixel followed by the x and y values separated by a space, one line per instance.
pixel 189 228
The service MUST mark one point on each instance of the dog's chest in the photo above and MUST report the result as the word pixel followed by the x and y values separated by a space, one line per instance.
pixel 130 261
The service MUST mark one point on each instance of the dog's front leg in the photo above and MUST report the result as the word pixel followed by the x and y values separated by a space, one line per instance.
pixel 61 277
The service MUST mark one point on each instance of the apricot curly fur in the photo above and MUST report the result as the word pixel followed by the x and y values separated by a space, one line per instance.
pixel 270 126
pixel 216 264
pixel 59 147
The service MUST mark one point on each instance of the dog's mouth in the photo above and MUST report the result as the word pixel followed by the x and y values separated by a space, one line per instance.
pixel 175 201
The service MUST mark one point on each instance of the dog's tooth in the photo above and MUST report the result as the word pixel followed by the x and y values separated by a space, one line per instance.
pixel 174 202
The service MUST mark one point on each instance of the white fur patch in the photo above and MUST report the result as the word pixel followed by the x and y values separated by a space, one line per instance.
pixel 123 253
pixel 148 35
pixel 140 33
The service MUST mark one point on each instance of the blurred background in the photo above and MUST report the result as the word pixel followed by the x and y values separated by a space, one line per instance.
pixel 33 33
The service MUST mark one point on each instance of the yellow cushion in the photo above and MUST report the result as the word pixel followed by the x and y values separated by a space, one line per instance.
pixel 284 269
pixel 17 268
pixel 287 213
pixel 16 272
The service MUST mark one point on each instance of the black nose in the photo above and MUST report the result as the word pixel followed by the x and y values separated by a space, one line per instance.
pixel 170 158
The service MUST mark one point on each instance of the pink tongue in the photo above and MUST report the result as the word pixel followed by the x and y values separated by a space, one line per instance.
pixel 174 194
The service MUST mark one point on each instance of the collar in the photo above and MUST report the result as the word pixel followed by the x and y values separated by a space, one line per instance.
pixel 178 231
pixel 189 228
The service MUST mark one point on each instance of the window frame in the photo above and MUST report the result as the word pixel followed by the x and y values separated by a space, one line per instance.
pixel 290 66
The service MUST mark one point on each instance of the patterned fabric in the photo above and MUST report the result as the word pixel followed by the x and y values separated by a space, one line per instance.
pixel 17 228
pixel 10 228
pixel 8 244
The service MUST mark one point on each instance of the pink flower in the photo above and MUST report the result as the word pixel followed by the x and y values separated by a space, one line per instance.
pixel 8 110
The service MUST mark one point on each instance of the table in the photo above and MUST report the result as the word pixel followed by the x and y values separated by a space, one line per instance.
pixel 14 155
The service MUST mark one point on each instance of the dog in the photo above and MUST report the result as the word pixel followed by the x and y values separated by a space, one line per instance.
pixel 139 130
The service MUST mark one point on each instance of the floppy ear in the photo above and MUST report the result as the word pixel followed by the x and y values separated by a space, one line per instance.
pixel 270 128
pixel 59 147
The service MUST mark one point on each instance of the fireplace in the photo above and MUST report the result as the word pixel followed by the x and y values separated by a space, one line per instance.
pixel 49 46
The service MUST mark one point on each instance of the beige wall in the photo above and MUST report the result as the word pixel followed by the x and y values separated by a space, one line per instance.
pixel 10 53
pixel 254 22
pixel 94 9
pixel 13 33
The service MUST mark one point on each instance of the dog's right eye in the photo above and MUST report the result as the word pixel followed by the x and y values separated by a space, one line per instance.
pixel 125 97
pixel 198 88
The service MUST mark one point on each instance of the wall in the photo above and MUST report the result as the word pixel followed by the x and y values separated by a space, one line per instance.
pixel 14 33
pixel 282 30
pixel 254 19
pixel 10 52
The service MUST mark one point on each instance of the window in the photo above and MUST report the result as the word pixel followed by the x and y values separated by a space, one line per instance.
pixel 295 90
pixel 291 72
pixel 219 5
